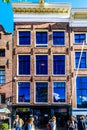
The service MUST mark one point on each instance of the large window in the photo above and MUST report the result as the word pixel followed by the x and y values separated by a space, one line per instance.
pixel 41 39
pixel 41 64
pixel 2 74
pixel 41 91
pixel 59 91
pixel 58 38
pixel 24 38
pixel 81 87
pixel 80 62
pixel 23 92
pixel 79 38
pixel 24 64
pixel 59 64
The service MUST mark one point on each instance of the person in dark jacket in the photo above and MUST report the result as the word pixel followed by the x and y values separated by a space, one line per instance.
pixel 82 123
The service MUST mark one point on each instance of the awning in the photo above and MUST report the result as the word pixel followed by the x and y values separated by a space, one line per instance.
pixel 5 110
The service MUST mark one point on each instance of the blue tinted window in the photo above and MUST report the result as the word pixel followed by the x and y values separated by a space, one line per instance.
pixel 41 92
pixel 42 64
pixel 81 87
pixel 2 74
pixel 59 91
pixel 41 38
pixel 79 38
pixel 23 92
pixel 24 64
pixel 59 64
pixel 58 38
pixel 24 38
pixel 82 61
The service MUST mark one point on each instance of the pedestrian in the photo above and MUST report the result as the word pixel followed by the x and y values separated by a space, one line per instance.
pixel 72 123
pixel 29 124
pixel 18 123
pixel 52 123
pixel 82 123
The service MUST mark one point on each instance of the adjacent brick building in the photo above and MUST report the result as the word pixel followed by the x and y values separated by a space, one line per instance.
pixel 5 67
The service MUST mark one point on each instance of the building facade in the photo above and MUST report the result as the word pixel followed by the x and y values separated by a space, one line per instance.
pixel 49 60
pixel 5 68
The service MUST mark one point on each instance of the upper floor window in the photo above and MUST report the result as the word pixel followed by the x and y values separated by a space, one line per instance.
pixel 81 92
pixel 41 39
pixel 41 64
pixel 24 64
pixel 41 91
pixel 58 38
pixel 59 91
pixel 80 62
pixel 2 98
pixel 23 91
pixel 2 52
pixel 24 38
pixel 79 38
pixel 58 64
pixel 2 74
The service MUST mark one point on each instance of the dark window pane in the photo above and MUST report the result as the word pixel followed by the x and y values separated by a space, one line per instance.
pixel 42 64
pixel 59 64
pixel 82 61
pixel 79 38
pixel 41 38
pixel 59 91
pixel 58 38
pixel 41 92
pixel 23 92
pixel 24 38
pixel 2 52
pixel 24 64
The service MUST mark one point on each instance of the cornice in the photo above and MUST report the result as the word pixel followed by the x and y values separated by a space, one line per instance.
pixel 59 8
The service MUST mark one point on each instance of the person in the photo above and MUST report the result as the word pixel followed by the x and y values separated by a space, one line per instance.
pixel 18 123
pixel 52 123
pixel 72 123
pixel 82 123
pixel 29 124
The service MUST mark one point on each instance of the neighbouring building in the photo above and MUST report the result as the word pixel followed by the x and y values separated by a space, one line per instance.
pixel 49 60
pixel 5 73
pixel 5 67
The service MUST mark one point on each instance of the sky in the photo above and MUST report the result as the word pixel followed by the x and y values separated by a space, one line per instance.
pixel 6 13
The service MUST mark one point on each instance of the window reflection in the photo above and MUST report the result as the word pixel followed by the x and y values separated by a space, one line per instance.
pixel 81 86
pixel 23 92
pixel 59 91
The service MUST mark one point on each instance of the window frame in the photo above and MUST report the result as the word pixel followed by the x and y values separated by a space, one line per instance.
pixel 18 95
pixel 47 65
pixel 18 65
pixel 2 68
pixel 78 60
pixel 35 92
pixel 81 91
pixel 53 66
pixel 53 91
pixel 41 45
pixel 24 30
pixel 1 51
pixel 64 37
pixel 79 34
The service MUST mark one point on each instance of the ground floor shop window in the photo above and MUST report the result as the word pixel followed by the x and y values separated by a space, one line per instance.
pixel 59 91
pixel 41 91
pixel 23 92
